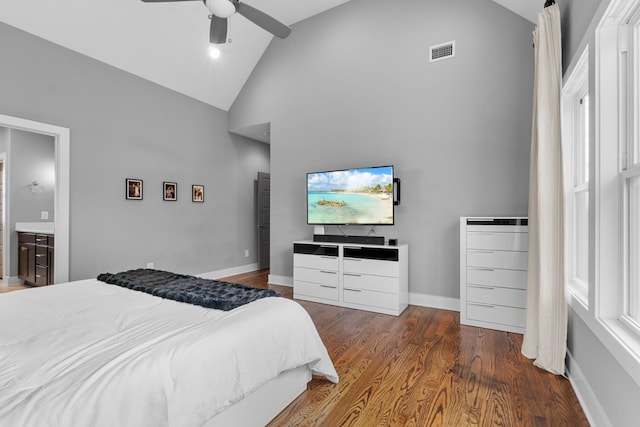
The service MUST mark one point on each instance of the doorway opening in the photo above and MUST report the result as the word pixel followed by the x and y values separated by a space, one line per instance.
pixel 61 137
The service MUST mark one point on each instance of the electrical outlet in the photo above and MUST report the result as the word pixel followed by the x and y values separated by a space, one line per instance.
pixel 44 215
pixel 246 253
pixel 149 265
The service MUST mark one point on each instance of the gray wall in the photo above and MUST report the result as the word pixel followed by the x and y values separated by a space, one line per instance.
pixel 604 381
pixel 125 127
pixel 576 17
pixel 354 87
pixel 4 139
pixel 31 158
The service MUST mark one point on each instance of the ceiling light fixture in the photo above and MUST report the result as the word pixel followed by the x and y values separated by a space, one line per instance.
pixel 214 52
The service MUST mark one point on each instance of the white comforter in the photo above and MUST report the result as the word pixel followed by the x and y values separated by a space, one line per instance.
pixel 91 354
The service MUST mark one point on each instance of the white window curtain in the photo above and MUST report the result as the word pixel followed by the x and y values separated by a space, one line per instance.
pixel 545 337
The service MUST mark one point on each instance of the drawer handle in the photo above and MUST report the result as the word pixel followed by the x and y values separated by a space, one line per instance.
pixel 41 240
pixel 328 257
pixel 478 251
pixel 483 269
pixel 482 287
pixel 353 274
pixel 353 259
pixel 37 275
pixel 481 305
pixel 39 255
pixel 327 286
pixel 328 272
pixel 353 290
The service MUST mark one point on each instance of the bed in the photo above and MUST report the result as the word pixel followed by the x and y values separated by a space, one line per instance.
pixel 90 353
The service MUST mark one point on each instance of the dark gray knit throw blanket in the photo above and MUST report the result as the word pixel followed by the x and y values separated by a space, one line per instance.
pixel 190 289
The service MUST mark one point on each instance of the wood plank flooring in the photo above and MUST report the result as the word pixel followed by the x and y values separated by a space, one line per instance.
pixel 423 369
pixel 4 288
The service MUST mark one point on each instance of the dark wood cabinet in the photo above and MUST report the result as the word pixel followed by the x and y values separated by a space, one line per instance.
pixel 35 258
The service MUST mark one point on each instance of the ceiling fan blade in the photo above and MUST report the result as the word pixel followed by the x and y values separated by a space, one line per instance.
pixel 263 20
pixel 218 30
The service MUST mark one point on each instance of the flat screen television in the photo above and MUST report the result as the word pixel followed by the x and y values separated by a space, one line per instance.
pixel 362 196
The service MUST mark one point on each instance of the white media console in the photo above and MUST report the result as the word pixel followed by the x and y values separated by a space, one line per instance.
pixel 361 276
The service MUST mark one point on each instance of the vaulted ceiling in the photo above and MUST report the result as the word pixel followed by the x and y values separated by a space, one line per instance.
pixel 167 43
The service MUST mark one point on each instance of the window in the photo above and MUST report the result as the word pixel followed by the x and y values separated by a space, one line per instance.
pixel 617 186
pixel 630 168
pixel 633 298
pixel 575 124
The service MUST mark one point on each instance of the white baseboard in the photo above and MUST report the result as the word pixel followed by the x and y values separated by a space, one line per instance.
pixel 280 280
pixel 432 301
pixel 229 271
pixel 421 300
pixel 587 398
pixel 12 281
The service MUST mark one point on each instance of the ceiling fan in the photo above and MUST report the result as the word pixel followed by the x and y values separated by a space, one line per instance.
pixel 223 9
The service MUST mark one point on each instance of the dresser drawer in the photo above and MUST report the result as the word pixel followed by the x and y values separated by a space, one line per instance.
pixel 315 290
pixel 26 237
pixel 371 267
pixel 41 255
pixel 516 279
pixel 321 262
pixel 324 277
pixel 497 296
pixel 497 259
pixel 371 283
pixel 371 298
pixel 499 241
pixel 496 314
pixel 42 275
pixel 42 239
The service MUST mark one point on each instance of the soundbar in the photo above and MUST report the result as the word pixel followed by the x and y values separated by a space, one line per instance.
pixel 336 238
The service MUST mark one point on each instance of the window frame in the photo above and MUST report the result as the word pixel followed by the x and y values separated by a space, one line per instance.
pixel 612 130
pixel 575 89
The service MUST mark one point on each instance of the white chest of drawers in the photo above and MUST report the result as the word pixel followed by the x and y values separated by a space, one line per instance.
pixel 365 277
pixel 493 272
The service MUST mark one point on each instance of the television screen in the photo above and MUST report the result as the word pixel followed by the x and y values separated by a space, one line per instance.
pixel 352 196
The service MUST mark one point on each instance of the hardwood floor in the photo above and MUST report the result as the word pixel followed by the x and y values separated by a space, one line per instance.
pixel 423 369
pixel 4 288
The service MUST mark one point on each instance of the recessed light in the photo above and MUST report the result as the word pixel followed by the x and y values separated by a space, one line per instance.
pixel 214 52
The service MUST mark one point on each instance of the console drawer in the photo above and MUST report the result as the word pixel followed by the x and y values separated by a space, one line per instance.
pixel 321 262
pixel 371 283
pixel 315 290
pixel 371 298
pixel 324 277
pixel 371 267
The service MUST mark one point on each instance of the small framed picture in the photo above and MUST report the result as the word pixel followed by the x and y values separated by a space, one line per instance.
pixel 198 193
pixel 133 189
pixel 170 191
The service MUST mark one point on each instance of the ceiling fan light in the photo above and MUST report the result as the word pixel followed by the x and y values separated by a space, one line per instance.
pixel 221 8
pixel 214 52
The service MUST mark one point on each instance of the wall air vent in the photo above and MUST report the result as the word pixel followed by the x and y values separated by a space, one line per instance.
pixel 442 51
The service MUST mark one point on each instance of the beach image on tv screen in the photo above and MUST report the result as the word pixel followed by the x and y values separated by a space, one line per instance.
pixel 354 196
